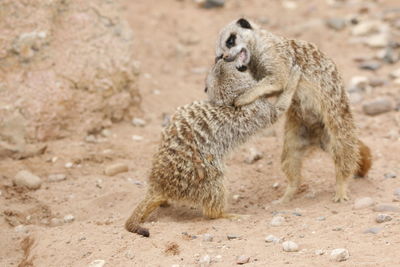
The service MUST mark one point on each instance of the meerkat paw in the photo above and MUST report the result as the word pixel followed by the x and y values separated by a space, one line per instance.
pixel 340 197
pixel 234 216
pixel 242 101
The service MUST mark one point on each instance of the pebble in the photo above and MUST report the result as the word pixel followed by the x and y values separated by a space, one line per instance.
pixel 27 179
pixel 138 122
pixel 377 41
pixel 377 106
pixel 290 246
pixel 358 83
pixel 373 230
pixel 289 4
pixel 397 192
pixel 390 175
pixel 362 203
pixel 137 138
pixel 336 23
pixel 242 259
pixel 395 74
pixel 319 252
pixel 321 218
pixel 69 218
pixel 211 3
pixel 370 65
pixel 97 263
pixel 365 28
pixel 21 229
pixel 106 132
pixel 231 237
pixel 339 254
pixel 275 185
pixel 91 139
pixel 388 55
pixel 272 239
pixel 253 156
pixel 57 177
pixel 56 222
pixel 208 237
pixel 236 197
pixel 277 220
pixel 381 218
pixel 116 168
pixel 68 165
pixel 205 260
pixel 386 208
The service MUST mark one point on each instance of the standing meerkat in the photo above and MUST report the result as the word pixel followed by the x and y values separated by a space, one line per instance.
pixel 319 115
pixel 188 165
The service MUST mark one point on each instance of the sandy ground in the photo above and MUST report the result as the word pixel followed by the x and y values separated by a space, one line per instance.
pixel 174 41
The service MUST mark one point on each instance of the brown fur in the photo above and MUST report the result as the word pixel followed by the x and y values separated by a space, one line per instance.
pixel 188 165
pixel 320 113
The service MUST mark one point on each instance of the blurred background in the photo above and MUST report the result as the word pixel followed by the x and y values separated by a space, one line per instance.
pixel 86 86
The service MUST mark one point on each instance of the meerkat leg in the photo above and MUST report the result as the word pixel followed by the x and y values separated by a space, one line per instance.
pixel 141 212
pixel 294 148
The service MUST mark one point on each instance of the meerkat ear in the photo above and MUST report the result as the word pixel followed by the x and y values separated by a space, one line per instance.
pixel 244 24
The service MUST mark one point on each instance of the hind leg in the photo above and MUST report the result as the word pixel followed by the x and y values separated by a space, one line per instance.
pixel 294 147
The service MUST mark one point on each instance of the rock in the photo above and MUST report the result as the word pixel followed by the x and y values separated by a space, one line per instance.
pixel 377 40
pixel 116 168
pixel 290 246
pixel 272 239
pixel 377 106
pixel 253 156
pixel 381 218
pixel 97 263
pixel 165 119
pixel 397 192
pixel 339 254
pixel 388 55
pixel 27 44
pixel 106 132
pixel 231 237
pixel 377 82
pixel 205 260
pixel 365 28
pixel 358 84
pixel 21 229
pixel 386 208
pixel 277 220
pixel 91 139
pixel 55 222
pixel 362 203
pixel 321 218
pixel 211 3
pixel 236 197
pixel 390 175
pixel 57 177
pixel 68 165
pixel 69 218
pixel 356 97
pixel 319 252
pixel 275 185
pixel 242 259
pixel 138 122
pixel 336 23
pixel 208 237
pixel 373 230
pixel 370 65
pixel 27 179
pixel 289 4
pixel 395 74
pixel 137 138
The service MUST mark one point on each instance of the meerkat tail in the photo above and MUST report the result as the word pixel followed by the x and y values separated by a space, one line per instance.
pixel 141 212
pixel 365 161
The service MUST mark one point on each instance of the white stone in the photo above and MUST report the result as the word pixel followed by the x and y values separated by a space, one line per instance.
pixel 21 229
pixel 205 260
pixel 242 259
pixel 69 165
pixel 137 138
pixel 27 179
pixel 358 83
pixel 339 254
pixel 377 106
pixel 319 252
pixel 395 74
pixel 362 203
pixel 277 220
pixel 138 122
pixel 272 239
pixel 97 263
pixel 290 246
pixel 69 218
pixel 57 177
pixel 208 237
pixel 377 41
pixel 116 168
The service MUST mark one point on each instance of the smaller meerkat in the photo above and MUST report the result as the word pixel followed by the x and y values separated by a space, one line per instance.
pixel 320 113
pixel 188 165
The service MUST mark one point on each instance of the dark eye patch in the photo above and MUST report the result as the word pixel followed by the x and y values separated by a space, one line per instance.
pixel 218 58
pixel 230 42
pixel 242 68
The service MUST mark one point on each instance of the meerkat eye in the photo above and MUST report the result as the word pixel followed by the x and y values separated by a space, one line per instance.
pixel 218 58
pixel 242 68
pixel 206 89
pixel 231 41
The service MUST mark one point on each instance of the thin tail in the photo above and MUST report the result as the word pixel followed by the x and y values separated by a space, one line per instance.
pixel 365 161
pixel 141 212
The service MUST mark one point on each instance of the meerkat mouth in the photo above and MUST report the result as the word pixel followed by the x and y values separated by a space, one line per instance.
pixel 243 55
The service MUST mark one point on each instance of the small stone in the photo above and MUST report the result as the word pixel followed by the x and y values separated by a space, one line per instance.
pixel 275 185
pixel 253 156
pixel 97 263
pixel 321 218
pixel 358 83
pixel 388 55
pixel 290 246
pixel 211 3
pixel 397 192
pixel 356 97
pixel 336 23
pixel 377 41
pixel 319 252
pixel 208 237
pixel 231 237
pixel 272 239
pixel 381 218
pixel 289 4
pixel 21 229
pixel 56 222
pixel 68 165
pixel 277 220
pixel 236 197
pixel 390 175
pixel 242 259
pixel 339 254
pixel 91 139
pixel 370 65
pixel 361 203
pixel 137 138
pixel 106 133
pixel 138 122
pixel 116 168
pixel 205 260
pixel 165 119
pixel 69 218
pixel 57 177
pixel 377 106
pixel 386 208
pixel 395 74
pixel 27 179
pixel 373 230
pixel 365 28
pixel 376 82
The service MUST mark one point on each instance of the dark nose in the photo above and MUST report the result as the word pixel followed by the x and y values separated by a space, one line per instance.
pixel 228 58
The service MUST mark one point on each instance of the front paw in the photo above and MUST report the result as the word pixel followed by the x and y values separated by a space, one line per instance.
pixel 241 102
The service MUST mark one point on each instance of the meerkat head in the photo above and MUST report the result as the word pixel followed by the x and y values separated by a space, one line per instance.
pixel 225 81
pixel 235 39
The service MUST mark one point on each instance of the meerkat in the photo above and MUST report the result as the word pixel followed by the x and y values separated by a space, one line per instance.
pixel 189 163
pixel 320 113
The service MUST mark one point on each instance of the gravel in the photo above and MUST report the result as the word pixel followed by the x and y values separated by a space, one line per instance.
pixel 339 254
pixel 27 179
pixel 290 246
